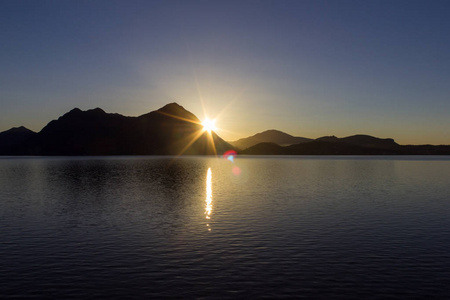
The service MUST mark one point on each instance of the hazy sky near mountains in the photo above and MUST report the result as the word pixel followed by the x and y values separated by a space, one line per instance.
pixel 309 68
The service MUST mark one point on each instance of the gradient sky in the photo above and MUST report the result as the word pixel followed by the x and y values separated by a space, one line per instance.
pixel 309 68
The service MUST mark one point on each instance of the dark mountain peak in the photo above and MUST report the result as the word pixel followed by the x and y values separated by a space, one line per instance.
pixel 362 136
pixel 176 110
pixel 20 129
pixel 97 110
pixel 172 107
pixel 365 137
pixel 79 120
pixel 269 136
pixel 272 133
pixel 361 140
pixel 12 141
pixel 76 110
pixel 369 141
pixel 91 112
pixel 328 138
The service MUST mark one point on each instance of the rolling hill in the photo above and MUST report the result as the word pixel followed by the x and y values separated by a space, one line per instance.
pixel 269 136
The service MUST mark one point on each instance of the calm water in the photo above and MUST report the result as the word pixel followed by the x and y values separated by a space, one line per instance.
pixel 274 227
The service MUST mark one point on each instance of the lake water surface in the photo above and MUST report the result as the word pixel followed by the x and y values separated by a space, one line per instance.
pixel 206 227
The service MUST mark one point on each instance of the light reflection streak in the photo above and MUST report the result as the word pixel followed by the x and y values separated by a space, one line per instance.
pixel 208 208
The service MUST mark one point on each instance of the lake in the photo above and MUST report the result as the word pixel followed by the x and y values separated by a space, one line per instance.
pixel 206 227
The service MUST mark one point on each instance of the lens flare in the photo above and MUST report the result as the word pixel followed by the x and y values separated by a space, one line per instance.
pixel 230 155
pixel 236 171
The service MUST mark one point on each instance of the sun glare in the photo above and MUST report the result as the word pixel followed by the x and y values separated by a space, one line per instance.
pixel 208 125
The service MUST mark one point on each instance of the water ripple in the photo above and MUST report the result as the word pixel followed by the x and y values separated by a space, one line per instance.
pixel 282 228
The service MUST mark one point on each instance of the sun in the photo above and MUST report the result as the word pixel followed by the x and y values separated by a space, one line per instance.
pixel 208 125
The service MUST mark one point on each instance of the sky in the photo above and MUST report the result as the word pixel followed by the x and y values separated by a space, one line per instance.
pixel 308 68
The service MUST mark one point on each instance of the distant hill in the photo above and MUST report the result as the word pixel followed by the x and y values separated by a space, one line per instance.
pixel 10 140
pixel 283 139
pixel 352 145
pixel 266 149
pixel 362 141
pixel 171 130
pixel 269 136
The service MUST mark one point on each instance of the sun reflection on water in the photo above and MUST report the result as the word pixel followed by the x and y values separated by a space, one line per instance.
pixel 208 208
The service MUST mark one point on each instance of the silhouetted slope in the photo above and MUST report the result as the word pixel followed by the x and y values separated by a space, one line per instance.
pixel 171 130
pixel 12 140
pixel 353 145
pixel 77 132
pixel 327 145
pixel 269 136
pixel 362 141
pixel 266 149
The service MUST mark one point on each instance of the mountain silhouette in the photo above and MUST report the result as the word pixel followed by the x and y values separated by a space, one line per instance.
pixel 171 130
pixel 283 139
pixel 352 145
pixel 269 136
pixel 362 141
pixel 12 139
pixel 266 149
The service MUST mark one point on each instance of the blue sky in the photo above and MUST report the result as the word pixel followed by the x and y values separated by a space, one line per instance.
pixel 309 68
